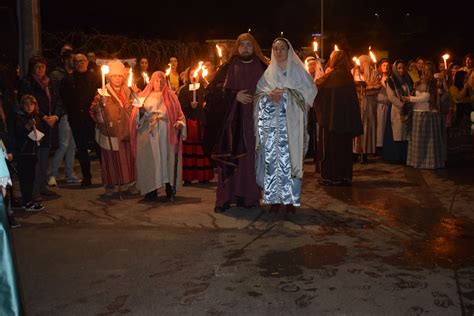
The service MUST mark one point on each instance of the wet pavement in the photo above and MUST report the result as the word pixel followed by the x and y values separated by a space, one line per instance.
pixel 400 241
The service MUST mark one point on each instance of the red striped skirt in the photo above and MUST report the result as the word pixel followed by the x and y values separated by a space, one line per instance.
pixel 196 166
pixel 117 166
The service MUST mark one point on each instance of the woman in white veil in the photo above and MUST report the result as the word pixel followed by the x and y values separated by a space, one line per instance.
pixel 284 94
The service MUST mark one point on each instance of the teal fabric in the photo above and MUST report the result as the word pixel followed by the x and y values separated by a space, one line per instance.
pixel 9 295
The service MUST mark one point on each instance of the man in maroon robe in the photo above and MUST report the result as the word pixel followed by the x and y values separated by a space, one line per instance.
pixel 229 134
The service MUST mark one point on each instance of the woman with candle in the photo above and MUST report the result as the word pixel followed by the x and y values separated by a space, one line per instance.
pixel 157 127
pixel 366 143
pixel 111 114
pixel 196 166
pixel 284 95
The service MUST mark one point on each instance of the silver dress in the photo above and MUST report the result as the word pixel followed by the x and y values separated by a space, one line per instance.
pixel 279 187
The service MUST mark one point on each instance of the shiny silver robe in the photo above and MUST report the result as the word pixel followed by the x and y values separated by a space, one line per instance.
pixel 279 187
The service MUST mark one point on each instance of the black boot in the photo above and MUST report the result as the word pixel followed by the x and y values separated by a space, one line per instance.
pixel 169 192
pixel 151 196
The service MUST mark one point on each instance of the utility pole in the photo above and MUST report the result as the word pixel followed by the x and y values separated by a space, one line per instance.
pixel 29 29
pixel 322 29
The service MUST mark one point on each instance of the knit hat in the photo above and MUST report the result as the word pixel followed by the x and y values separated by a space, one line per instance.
pixel 116 68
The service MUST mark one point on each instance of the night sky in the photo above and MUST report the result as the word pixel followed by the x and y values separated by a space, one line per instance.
pixel 428 29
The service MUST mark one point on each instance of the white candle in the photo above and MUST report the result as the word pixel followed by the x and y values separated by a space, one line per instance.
pixel 105 70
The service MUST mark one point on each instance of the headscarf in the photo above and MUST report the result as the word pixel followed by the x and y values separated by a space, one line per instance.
pixel 398 80
pixel 370 74
pixel 256 48
pixel 173 109
pixel 297 78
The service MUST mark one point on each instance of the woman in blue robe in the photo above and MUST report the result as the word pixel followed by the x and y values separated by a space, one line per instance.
pixel 283 97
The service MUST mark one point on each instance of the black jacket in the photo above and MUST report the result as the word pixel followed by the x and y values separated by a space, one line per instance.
pixel 77 92
pixel 24 144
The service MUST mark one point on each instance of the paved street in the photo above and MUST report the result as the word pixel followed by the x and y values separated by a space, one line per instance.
pixel 398 242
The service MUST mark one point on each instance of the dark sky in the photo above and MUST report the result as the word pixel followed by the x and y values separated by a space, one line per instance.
pixel 428 29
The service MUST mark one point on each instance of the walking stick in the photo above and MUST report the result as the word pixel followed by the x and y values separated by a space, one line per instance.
pixel 106 123
pixel 176 161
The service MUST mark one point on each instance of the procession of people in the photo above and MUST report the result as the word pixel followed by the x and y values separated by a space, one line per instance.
pixel 250 124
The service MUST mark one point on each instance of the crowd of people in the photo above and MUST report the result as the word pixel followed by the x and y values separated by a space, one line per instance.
pixel 254 119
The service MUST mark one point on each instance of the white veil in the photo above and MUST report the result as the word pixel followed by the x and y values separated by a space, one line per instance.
pixel 297 78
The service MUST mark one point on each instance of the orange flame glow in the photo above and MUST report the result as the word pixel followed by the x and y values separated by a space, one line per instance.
pixel 130 78
pixel 196 72
pixel 356 60
pixel 219 51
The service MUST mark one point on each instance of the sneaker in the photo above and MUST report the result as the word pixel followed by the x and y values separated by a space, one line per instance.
pixel 52 181
pixel 13 223
pixel 73 179
pixel 33 207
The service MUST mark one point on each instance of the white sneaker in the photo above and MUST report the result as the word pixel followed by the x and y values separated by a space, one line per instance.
pixel 52 181
pixel 73 179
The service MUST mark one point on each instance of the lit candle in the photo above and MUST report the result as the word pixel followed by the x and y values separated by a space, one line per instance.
pixel 445 58
pixel 315 48
pixel 130 79
pixel 105 70
pixel 219 52
pixel 372 56
pixel 195 75
pixel 205 72
pixel 336 48
pixel 167 73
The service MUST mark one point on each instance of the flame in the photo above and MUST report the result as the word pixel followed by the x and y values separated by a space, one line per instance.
pixel 315 46
pixel 219 51
pixel 130 78
pixel 196 72
pixel 205 72
pixel 372 55
pixel 446 56
pixel 105 69
pixel 356 60
pixel 145 76
pixel 336 48
pixel 168 70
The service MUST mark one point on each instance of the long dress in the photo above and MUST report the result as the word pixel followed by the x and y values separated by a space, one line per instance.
pixel 395 144
pixel 366 143
pixel 280 187
pixel 117 164
pixel 338 114
pixel 196 166
pixel 281 130
pixel 155 154
pixel 425 144
pixel 382 111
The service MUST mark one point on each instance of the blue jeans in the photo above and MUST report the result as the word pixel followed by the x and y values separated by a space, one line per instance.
pixel 66 150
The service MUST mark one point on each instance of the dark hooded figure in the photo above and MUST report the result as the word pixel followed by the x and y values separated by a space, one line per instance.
pixel 338 115
pixel 229 133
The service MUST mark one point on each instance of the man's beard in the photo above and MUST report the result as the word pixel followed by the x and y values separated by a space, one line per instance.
pixel 248 57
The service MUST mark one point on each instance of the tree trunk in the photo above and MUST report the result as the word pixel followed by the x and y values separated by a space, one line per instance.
pixel 29 27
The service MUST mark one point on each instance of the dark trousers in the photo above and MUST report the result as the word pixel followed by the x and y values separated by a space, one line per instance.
pixel 41 171
pixel 83 136
pixel 26 165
